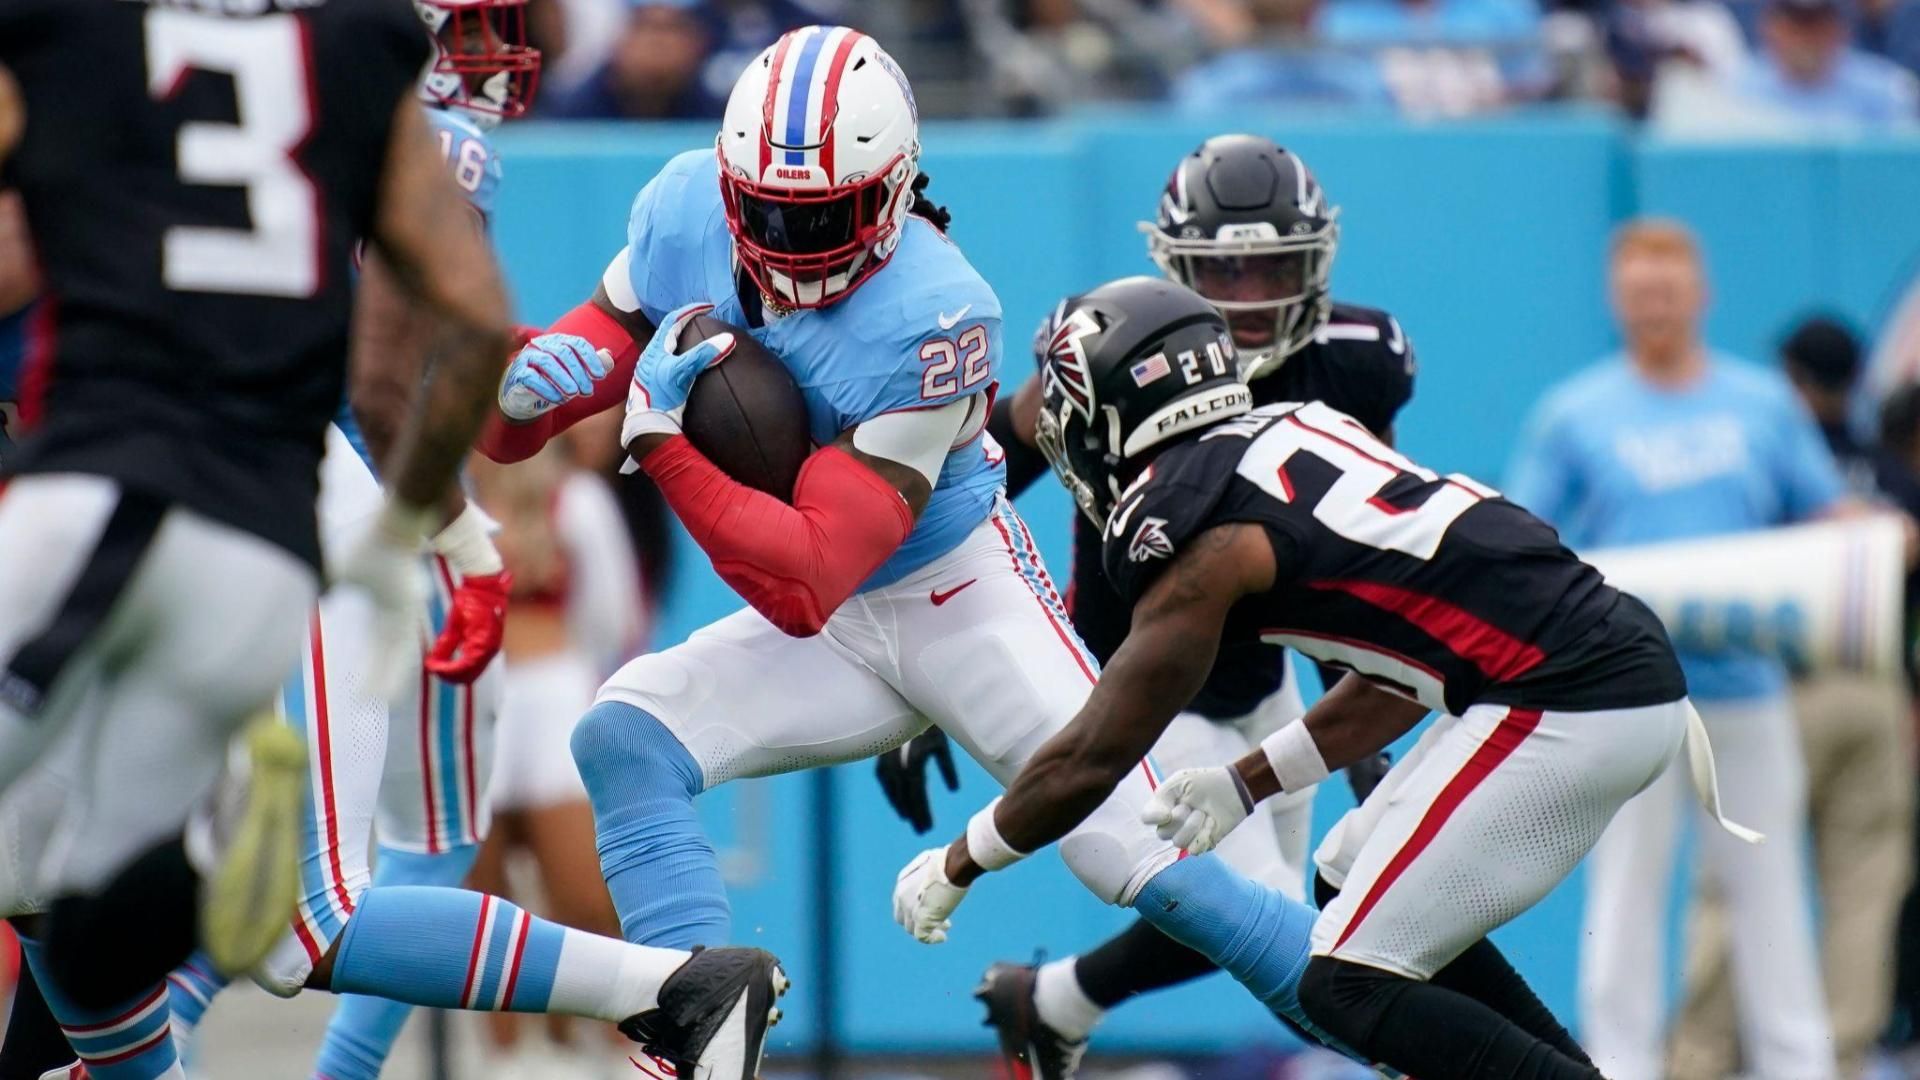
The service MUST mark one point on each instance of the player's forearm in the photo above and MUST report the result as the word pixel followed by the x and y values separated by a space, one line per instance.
pixel 1151 679
pixel 382 419
pixel 457 397
pixel 1353 721
pixel 387 376
pixel 795 564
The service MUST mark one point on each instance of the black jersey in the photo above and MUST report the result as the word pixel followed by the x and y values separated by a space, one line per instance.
pixel 1360 363
pixel 195 183
pixel 1435 587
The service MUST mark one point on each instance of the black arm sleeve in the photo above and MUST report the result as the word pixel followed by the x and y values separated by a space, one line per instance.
pixel 1024 463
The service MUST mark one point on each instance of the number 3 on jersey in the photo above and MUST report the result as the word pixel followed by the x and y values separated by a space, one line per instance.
pixel 1352 506
pixel 267 60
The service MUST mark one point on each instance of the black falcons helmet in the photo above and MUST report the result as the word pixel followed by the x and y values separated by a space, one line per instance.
pixel 1244 224
pixel 1127 367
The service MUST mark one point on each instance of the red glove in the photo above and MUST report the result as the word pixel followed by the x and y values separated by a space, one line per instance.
pixel 475 621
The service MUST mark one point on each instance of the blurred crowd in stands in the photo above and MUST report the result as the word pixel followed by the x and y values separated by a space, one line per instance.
pixel 1704 67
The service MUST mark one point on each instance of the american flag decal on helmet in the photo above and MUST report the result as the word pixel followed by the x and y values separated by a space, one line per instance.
pixel 1153 367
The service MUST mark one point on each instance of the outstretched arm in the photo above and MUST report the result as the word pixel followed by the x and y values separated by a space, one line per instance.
pixel 1162 664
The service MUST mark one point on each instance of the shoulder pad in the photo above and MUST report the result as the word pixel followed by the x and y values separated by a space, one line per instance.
pixel 928 325
pixel 1367 332
pixel 470 157
pixel 1165 507
pixel 668 229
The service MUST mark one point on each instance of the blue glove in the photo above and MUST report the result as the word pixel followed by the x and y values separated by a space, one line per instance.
pixel 662 378
pixel 549 370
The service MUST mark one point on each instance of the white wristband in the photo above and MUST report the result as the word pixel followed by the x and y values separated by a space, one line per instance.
pixel 1295 757
pixel 985 846
pixel 467 543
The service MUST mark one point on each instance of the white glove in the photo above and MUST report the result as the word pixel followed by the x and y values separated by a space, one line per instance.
pixel 923 898
pixel 386 565
pixel 1196 808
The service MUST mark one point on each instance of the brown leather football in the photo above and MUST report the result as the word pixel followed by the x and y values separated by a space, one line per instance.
pixel 746 413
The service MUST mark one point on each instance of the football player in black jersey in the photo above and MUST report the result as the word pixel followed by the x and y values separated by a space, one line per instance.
pixel 1226 523
pixel 195 183
pixel 1245 224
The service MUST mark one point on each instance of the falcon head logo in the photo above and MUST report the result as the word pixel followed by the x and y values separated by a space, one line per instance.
pixel 1150 541
pixel 1067 368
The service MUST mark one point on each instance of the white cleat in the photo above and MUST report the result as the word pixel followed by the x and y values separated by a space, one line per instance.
pixel 75 1071
pixel 713 1017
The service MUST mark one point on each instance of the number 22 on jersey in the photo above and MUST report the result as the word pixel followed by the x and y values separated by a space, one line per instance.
pixel 1352 506
pixel 267 60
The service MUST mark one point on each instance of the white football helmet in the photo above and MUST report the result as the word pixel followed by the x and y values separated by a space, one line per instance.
pixel 482 64
pixel 818 153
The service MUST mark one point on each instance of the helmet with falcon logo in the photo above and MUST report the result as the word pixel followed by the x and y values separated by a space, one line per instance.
pixel 1125 369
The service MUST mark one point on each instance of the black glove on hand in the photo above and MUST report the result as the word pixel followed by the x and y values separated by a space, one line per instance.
pixel 1365 775
pixel 903 776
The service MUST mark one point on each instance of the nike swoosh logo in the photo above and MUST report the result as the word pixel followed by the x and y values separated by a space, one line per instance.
pixel 1118 524
pixel 939 597
pixel 947 321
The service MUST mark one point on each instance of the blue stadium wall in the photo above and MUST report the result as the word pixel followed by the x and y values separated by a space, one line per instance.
pixel 1486 238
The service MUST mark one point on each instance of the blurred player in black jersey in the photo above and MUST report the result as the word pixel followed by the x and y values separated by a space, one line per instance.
pixel 196 184
pixel 1290 524
pixel 1245 224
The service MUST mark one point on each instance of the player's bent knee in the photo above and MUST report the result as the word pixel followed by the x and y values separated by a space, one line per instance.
pixel 1115 859
pixel 623 748
pixel 1345 999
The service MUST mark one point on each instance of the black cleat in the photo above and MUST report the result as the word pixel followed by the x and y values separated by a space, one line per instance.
pixel 1033 1051
pixel 713 1016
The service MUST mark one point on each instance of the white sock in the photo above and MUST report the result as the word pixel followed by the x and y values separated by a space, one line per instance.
pixel 608 979
pixel 1062 1004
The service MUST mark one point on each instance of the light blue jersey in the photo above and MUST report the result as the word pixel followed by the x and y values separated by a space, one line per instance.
pixel 1611 459
pixel 470 157
pixel 923 331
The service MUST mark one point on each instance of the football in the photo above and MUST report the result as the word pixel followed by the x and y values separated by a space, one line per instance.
pixel 746 413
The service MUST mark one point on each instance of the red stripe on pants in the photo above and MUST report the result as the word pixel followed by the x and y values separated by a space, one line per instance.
pixel 1506 738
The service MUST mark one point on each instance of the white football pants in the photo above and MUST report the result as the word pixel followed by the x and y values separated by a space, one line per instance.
pixel 152 631
pixel 977 642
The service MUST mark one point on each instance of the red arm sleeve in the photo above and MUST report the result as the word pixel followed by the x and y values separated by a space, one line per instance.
pixel 506 442
pixel 795 564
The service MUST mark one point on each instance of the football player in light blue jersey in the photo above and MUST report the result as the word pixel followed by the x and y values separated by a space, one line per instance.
pixel 896 587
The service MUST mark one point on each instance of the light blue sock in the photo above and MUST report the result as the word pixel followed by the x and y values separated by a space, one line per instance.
pixel 659 866
pixel 449 949
pixel 128 1042
pixel 363 1029
pixel 191 989
pixel 1254 933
